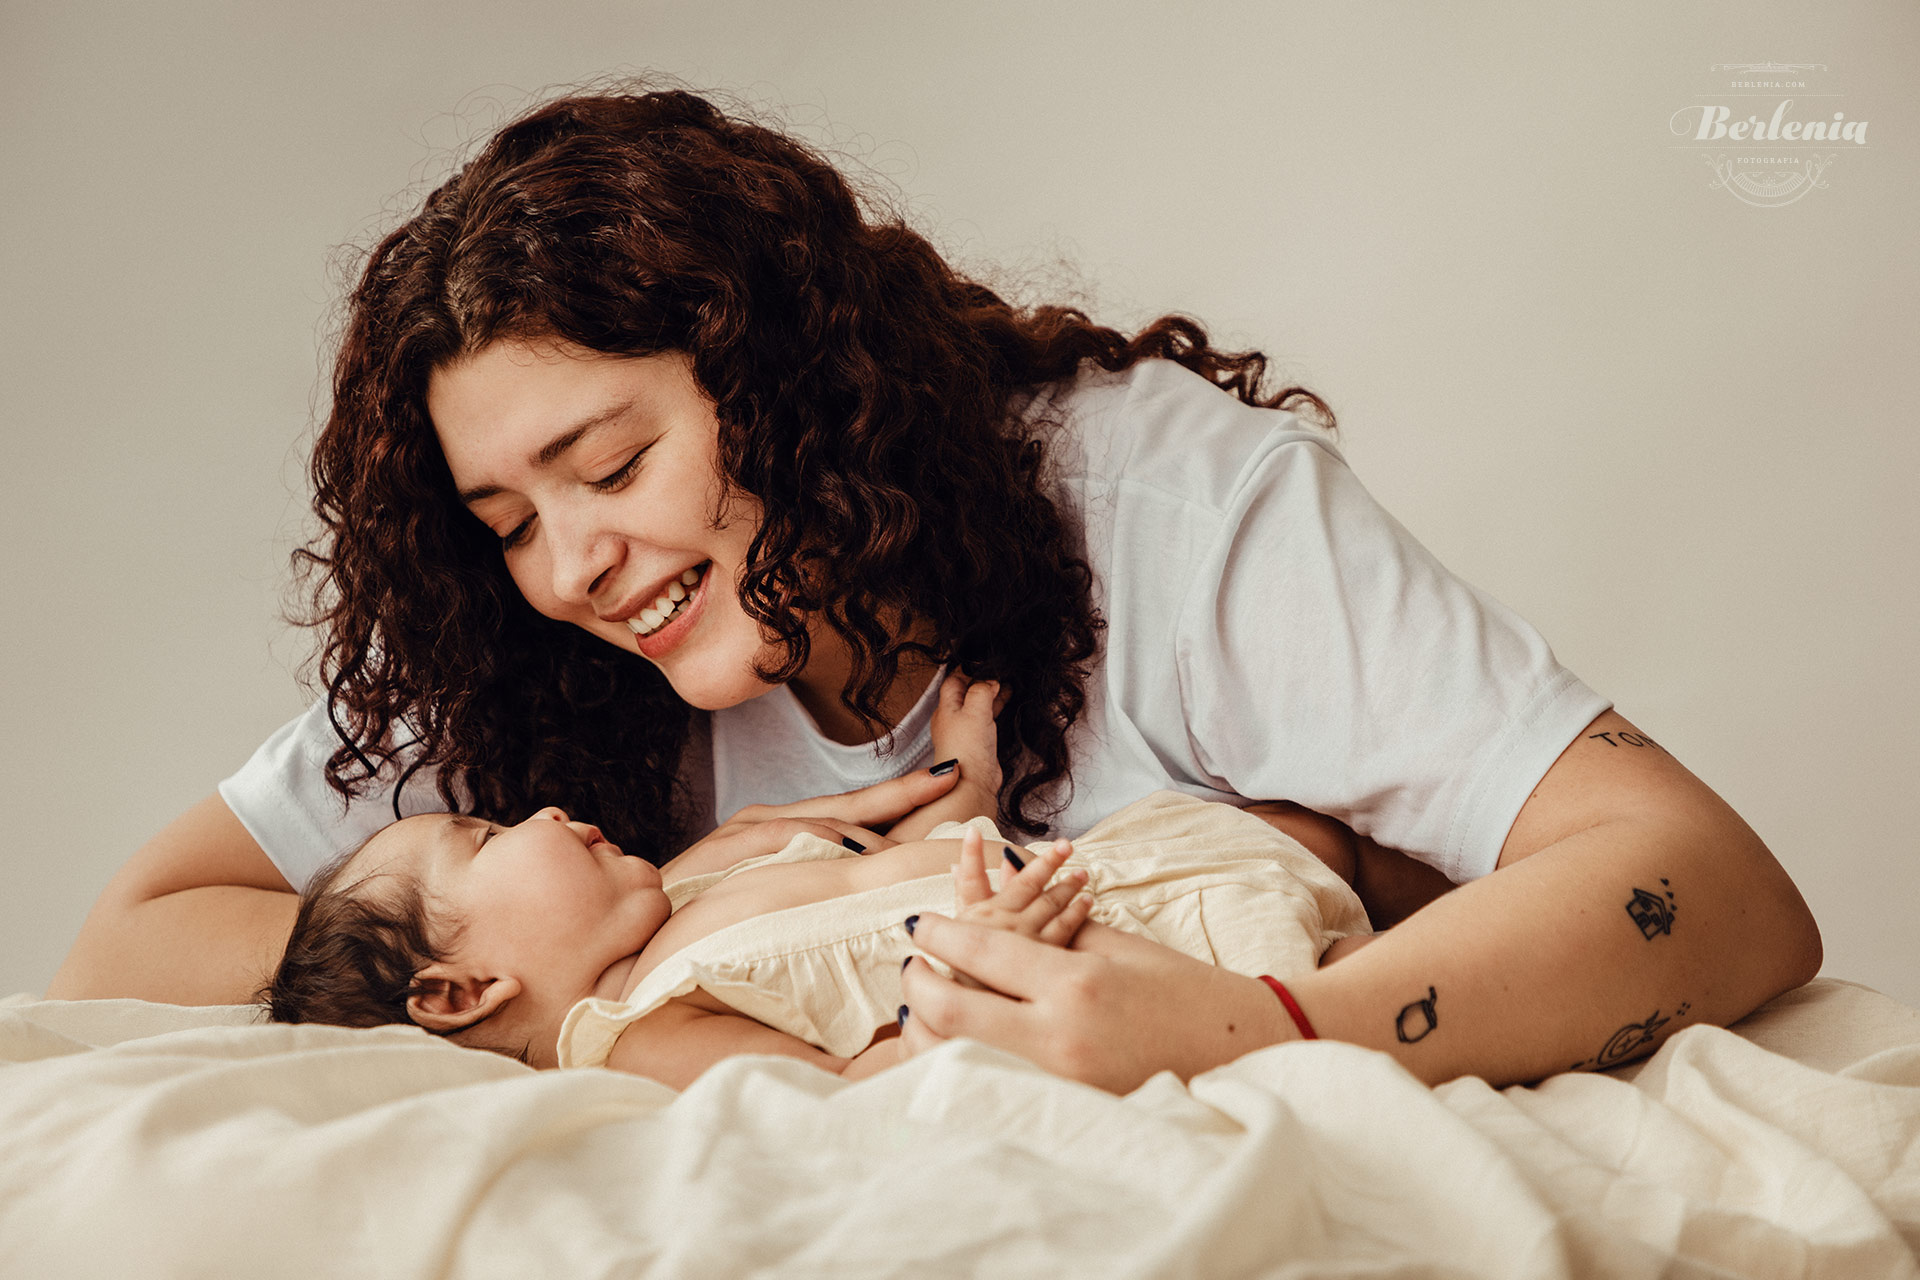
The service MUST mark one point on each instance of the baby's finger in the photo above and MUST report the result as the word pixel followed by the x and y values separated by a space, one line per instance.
pixel 1052 902
pixel 981 695
pixel 970 883
pixel 1018 891
pixel 1059 931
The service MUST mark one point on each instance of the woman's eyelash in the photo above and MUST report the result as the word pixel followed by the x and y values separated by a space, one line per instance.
pixel 605 484
pixel 625 473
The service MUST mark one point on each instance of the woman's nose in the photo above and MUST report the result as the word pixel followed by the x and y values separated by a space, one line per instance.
pixel 583 552
pixel 553 811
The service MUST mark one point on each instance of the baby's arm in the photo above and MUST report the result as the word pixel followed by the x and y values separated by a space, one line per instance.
pixel 964 732
pixel 682 1038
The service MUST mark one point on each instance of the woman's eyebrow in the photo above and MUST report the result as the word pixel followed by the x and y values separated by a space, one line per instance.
pixel 547 453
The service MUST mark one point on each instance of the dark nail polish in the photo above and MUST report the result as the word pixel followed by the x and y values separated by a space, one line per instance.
pixel 912 921
pixel 1014 858
pixel 852 844
pixel 903 1017
pixel 944 768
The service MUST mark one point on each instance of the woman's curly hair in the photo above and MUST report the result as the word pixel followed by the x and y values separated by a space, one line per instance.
pixel 864 392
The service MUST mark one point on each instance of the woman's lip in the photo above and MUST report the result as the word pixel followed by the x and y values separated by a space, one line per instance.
pixel 663 641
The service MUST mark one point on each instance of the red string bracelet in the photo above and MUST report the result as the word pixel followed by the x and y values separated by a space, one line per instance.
pixel 1293 1007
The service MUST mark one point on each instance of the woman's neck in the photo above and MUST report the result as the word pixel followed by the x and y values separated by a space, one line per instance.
pixel 828 672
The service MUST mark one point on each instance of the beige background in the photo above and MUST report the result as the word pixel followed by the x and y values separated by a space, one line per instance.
pixel 1674 431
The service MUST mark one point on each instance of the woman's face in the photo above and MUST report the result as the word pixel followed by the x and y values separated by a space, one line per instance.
pixel 600 476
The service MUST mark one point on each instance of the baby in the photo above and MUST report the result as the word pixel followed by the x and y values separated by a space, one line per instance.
pixel 543 941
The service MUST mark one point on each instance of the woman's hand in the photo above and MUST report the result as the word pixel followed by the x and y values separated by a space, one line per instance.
pixel 849 817
pixel 1111 1012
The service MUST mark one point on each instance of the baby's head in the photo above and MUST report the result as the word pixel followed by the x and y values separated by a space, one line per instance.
pixel 483 933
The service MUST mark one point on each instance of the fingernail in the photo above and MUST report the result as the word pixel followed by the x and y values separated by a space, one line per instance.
pixel 903 1017
pixel 912 921
pixel 852 844
pixel 944 768
pixel 1014 858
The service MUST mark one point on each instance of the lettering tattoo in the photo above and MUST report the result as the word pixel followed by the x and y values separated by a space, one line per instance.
pixel 1417 1019
pixel 1626 737
pixel 1630 1041
pixel 1652 911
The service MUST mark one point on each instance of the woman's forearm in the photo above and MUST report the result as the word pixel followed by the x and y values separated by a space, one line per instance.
pixel 1586 954
pixel 216 944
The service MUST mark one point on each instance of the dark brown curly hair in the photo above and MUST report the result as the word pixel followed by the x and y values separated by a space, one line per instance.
pixel 863 390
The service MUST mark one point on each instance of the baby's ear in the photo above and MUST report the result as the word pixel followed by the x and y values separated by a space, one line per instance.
pixel 450 998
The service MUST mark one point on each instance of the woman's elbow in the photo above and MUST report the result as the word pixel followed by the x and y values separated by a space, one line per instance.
pixel 1789 935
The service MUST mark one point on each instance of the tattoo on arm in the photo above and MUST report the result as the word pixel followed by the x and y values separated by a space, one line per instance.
pixel 1630 1041
pixel 1417 1019
pixel 1626 737
pixel 1652 911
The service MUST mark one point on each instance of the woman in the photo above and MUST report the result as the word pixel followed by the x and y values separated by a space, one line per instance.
pixel 659 481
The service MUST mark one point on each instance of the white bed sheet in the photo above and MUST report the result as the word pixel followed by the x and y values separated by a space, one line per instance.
pixel 148 1140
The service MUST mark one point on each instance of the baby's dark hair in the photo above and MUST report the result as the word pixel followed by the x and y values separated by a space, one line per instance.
pixel 355 953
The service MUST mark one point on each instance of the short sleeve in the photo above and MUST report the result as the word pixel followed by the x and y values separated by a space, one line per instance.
pixel 282 797
pixel 1327 658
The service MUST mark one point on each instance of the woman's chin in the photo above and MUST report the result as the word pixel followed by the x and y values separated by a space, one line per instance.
pixel 702 687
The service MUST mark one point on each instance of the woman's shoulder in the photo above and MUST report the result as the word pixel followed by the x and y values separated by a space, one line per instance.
pixel 1160 424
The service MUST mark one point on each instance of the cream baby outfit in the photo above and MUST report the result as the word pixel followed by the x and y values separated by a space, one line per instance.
pixel 1201 877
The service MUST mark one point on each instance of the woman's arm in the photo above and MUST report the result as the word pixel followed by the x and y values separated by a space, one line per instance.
pixel 1390 885
pixel 1630 901
pixel 198 916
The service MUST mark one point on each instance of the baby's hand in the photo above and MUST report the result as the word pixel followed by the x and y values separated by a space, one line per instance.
pixel 963 734
pixel 1025 904
pixel 963 730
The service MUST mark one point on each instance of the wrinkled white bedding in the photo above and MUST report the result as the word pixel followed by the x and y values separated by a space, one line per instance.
pixel 147 1140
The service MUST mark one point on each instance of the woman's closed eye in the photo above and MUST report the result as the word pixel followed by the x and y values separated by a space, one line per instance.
pixel 613 482
pixel 622 474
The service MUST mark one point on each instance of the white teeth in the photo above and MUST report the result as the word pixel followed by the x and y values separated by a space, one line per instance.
pixel 655 615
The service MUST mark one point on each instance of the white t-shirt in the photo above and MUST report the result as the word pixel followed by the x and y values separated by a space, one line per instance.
pixel 1272 634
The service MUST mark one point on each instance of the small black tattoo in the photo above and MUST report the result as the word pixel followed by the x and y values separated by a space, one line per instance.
pixel 1629 738
pixel 1630 1041
pixel 1652 911
pixel 1417 1019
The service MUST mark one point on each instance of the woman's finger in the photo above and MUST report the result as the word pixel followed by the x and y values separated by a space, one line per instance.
pixel 739 841
pixel 1008 963
pixel 876 806
pixel 946 1010
pixel 915 1035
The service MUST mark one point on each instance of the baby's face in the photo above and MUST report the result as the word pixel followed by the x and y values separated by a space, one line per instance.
pixel 547 901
